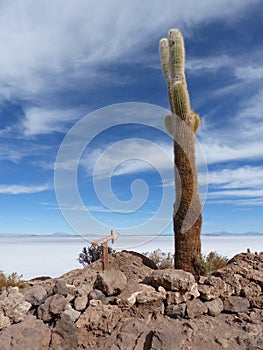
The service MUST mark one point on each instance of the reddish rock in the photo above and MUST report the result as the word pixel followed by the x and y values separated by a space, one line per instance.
pixel 195 308
pixel 236 304
pixel 64 335
pixel 110 282
pixel 29 334
pixel 215 307
pixel 53 306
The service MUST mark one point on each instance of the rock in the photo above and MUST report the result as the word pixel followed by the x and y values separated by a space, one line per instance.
pixel 96 294
pixel 100 317
pixel 95 302
pixel 132 335
pixel 13 305
pixel 236 304
pixel 173 280
pixel 222 342
pixel 195 308
pixel 80 303
pixel 166 337
pixel 110 282
pixel 73 314
pixel 36 295
pixel 215 307
pixel 250 342
pixel 60 287
pixel 213 288
pixel 4 321
pixel 53 306
pixel 148 294
pixel 28 334
pixel 250 290
pixel 257 302
pixel 176 311
pixel 64 335
pixel 175 298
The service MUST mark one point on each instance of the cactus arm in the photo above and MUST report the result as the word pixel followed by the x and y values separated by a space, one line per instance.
pixel 165 59
pixel 196 121
pixel 177 55
pixel 181 100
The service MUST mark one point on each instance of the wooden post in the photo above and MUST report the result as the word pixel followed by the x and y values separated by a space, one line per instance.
pixel 104 243
pixel 105 256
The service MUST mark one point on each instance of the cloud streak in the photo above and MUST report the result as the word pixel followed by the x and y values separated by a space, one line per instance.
pixel 21 189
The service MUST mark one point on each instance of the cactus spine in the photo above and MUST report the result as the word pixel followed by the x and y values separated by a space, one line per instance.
pixel 183 123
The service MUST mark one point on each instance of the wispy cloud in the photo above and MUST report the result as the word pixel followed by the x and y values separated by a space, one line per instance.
pixel 239 186
pixel 43 121
pixel 21 189
pixel 129 157
pixel 42 55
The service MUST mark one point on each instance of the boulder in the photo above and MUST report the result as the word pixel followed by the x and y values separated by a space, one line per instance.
pixel 53 306
pixel 176 311
pixel 148 294
pixel 195 308
pixel 257 302
pixel 100 317
pixel 36 295
pixel 214 287
pixel 166 337
pixel 110 282
pixel 215 307
pixel 250 290
pixel 132 335
pixel 4 321
pixel 80 303
pixel 73 314
pixel 13 305
pixel 173 280
pixel 60 287
pixel 96 294
pixel 64 335
pixel 235 304
pixel 28 334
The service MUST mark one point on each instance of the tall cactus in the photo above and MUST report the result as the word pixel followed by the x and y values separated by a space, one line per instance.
pixel 182 124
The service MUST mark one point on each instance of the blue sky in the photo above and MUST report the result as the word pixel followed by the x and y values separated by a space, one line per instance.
pixel 63 62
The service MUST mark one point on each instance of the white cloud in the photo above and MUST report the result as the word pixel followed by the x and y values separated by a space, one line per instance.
pixel 129 157
pixel 206 64
pixel 243 177
pixel 42 121
pixel 20 189
pixel 240 186
pixel 232 151
pixel 40 50
pixel 249 73
pixel 42 53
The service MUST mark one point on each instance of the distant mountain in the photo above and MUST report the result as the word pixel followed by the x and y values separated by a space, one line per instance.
pixel 225 233
pixel 62 234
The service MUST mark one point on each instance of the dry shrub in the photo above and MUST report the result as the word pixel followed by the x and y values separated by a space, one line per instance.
pixel 161 259
pixel 12 280
pixel 206 264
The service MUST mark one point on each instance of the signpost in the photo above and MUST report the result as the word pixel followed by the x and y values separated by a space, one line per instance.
pixel 104 242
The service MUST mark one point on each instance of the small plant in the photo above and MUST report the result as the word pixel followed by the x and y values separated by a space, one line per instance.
pixel 161 259
pixel 12 280
pixel 206 264
pixel 91 254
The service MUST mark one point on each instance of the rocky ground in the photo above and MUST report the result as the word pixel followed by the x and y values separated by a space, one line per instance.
pixel 135 306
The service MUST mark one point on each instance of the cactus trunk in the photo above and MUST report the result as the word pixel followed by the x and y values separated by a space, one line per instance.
pixel 182 124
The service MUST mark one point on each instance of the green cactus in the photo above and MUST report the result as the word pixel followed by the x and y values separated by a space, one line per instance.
pixel 182 124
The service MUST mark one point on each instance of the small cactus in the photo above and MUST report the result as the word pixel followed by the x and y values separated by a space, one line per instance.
pixel 182 124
